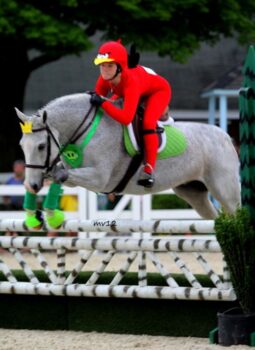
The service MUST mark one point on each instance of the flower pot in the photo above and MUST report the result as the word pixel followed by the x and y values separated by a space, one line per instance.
pixel 235 327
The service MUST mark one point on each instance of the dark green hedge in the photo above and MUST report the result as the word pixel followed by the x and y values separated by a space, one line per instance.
pixel 162 201
pixel 113 315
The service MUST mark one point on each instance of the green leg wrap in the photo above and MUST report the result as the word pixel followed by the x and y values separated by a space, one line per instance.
pixel 29 201
pixel 52 199
pixel 33 218
pixel 55 218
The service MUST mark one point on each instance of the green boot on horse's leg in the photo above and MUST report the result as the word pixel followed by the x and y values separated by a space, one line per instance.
pixel 54 216
pixel 34 218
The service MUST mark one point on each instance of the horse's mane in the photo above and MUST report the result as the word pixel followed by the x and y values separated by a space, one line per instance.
pixel 59 101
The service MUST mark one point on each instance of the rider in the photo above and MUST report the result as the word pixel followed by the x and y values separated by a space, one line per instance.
pixel 131 85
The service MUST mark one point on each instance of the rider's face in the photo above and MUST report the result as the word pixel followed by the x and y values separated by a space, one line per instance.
pixel 108 70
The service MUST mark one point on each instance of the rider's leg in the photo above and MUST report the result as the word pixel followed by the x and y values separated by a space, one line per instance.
pixel 150 139
pixel 155 106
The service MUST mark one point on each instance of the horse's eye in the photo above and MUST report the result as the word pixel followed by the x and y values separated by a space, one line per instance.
pixel 41 147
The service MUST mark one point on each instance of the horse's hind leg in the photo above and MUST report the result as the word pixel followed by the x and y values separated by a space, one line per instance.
pixel 227 191
pixel 198 198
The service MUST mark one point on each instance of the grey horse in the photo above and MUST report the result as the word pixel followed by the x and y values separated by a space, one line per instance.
pixel 209 164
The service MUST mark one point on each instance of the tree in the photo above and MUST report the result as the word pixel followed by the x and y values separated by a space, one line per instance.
pixel 63 27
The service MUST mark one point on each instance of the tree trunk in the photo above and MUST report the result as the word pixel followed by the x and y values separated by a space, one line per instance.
pixel 14 73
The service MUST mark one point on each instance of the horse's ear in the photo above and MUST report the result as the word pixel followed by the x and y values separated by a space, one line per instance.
pixel 45 115
pixel 20 115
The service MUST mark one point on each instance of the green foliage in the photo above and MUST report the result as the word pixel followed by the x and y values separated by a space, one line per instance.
pixel 53 29
pixel 170 27
pixel 247 132
pixel 48 29
pixel 176 28
pixel 162 201
pixel 236 235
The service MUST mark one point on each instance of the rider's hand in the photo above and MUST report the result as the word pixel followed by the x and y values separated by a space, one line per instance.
pixel 96 100
pixel 90 92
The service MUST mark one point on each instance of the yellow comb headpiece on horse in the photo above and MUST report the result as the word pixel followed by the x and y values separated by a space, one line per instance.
pixel 26 128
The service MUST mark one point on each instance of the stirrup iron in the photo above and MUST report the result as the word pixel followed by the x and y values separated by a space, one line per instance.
pixel 145 179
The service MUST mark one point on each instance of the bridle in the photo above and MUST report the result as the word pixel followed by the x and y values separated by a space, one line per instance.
pixel 47 164
pixel 75 136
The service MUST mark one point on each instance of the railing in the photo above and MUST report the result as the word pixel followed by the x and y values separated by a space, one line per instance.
pixel 62 281
pixel 139 207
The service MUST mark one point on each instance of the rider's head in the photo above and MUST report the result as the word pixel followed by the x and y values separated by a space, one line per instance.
pixel 113 55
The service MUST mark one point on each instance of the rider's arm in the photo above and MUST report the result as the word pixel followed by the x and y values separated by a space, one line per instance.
pixel 130 103
pixel 102 87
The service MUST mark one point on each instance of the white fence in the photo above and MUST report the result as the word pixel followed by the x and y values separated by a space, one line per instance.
pixel 141 252
pixel 139 207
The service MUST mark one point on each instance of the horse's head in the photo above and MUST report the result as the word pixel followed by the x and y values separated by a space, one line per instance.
pixel 39 143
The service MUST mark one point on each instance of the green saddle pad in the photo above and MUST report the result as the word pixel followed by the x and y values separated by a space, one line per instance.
pixel 176 143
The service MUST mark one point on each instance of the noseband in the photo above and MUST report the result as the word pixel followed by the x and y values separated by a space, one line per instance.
pixel 75 136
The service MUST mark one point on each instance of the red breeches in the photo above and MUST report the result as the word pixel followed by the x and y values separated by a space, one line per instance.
pixel 154 108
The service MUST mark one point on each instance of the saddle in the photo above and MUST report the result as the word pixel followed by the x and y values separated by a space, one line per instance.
pixel 172 141
pixel 135 130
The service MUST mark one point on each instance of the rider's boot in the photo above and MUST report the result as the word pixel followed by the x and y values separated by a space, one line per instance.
pixel 146 177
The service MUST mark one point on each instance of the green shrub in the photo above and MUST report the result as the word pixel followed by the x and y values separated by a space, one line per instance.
pixel 236 236
pixel 162 201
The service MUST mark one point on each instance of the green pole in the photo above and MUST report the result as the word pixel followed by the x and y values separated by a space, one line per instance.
pixel 247 133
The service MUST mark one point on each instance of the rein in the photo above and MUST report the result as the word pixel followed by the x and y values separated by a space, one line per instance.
pixel 75 136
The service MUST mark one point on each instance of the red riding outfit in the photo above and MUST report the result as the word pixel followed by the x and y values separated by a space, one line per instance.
pixel 135 84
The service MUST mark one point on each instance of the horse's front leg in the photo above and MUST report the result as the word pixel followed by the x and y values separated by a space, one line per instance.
pixel 54 216
pixel 33 218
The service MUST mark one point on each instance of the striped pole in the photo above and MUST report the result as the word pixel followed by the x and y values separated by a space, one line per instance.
pixel 122 291
pixel 113 244
pixel 118 226
pixel 62 281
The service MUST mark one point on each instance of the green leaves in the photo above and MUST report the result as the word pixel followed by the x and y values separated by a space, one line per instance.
pixel 48 31
pixel 7 14
pixel 236 236
pixel 170 27
pixel 247 132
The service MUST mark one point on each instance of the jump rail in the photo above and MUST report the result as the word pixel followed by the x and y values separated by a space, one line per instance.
pixel 62 281
pixel 119 226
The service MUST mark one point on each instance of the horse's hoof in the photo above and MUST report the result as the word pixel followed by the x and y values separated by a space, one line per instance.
pixel 56 220
pixel 34 221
